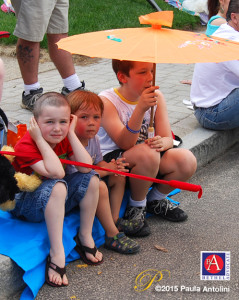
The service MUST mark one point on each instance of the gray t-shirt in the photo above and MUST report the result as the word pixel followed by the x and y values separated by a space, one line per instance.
pixel 93 148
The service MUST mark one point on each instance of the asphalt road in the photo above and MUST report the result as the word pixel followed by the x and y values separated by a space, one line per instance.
pixel 212 226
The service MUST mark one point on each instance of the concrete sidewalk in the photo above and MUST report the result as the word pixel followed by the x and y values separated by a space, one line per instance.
pixel 205 144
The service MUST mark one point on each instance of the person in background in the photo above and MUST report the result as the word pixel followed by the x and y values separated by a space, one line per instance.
pixel 34 19
pixel 217 14
pixel 215 86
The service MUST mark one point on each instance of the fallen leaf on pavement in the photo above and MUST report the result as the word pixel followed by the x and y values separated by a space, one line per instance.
pixel 160 248
pixel 82 266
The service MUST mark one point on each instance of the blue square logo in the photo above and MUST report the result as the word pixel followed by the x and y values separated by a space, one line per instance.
pixel 215 265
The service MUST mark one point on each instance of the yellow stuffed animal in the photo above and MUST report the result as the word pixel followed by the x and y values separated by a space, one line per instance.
pixel 12 182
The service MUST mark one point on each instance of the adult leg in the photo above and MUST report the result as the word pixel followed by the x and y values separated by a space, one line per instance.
pixel 222 116
pixel 28 59
pixel 54 216
pixel 61 58
pixel 64 64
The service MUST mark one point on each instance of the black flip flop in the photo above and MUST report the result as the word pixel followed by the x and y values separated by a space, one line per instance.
pixel 51 265
pixel 83 249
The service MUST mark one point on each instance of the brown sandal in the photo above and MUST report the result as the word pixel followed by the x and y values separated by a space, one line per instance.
pixel 82 251
pixel 51 265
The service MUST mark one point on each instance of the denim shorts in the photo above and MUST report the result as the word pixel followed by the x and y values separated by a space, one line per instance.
pixel 31 206
pixel 222 116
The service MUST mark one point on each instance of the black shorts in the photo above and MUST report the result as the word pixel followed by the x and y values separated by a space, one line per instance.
pixel 117 154
pixel 113 155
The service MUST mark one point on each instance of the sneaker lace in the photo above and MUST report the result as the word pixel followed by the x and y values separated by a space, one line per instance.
pixel 164 205
pixel 34 99
pixel 137 213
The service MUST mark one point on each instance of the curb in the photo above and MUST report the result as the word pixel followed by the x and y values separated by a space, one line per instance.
pixel 11 278
pixel 205 144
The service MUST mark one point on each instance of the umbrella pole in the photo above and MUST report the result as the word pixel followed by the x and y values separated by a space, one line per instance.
pixel 151 123
pixel 154 5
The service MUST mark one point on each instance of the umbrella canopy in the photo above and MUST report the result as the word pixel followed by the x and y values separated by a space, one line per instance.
pixel 152 44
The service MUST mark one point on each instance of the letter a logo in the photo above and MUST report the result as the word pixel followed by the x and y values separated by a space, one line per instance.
pixel 215 265
pixel 211 262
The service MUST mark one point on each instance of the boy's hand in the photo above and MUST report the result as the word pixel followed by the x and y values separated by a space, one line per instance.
pixel 119 165
pixel 159 143
pixel 34 130
pixel 73 123
pixel 148 98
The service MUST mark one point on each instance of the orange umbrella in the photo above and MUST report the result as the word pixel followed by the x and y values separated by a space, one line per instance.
pixel 152 44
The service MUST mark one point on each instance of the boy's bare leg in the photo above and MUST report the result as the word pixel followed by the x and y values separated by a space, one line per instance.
pixel 28 54
pixel 88 207
pixel 117 189
pixel 114 240
pixel 142 161
pixel 61 58
pixel 176 164
pixel 54 216
pixel 103 212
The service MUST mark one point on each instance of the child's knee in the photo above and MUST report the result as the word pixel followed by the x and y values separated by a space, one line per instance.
pixel 59 190
pixel 103 190
pixel 188 162
pixel 148 158
pixel 117 181
pixel 94 184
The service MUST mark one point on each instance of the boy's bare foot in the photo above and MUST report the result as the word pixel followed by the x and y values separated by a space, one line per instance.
pixel 53 276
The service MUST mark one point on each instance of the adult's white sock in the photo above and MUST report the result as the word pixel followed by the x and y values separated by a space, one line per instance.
pixel 72 82
pixel 29 87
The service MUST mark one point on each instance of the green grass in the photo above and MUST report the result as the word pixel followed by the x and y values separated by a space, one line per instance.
pixel 94 15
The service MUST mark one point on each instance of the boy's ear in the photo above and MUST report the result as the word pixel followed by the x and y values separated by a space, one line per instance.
pixel 121 77
pixel 234 18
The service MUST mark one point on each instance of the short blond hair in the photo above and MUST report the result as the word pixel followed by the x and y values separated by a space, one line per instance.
pixel 51 98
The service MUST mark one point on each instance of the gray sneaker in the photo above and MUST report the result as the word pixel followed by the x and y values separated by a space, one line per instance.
pixel 167 210
pixel 29 100
pixel 138 213
pixel 65 91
